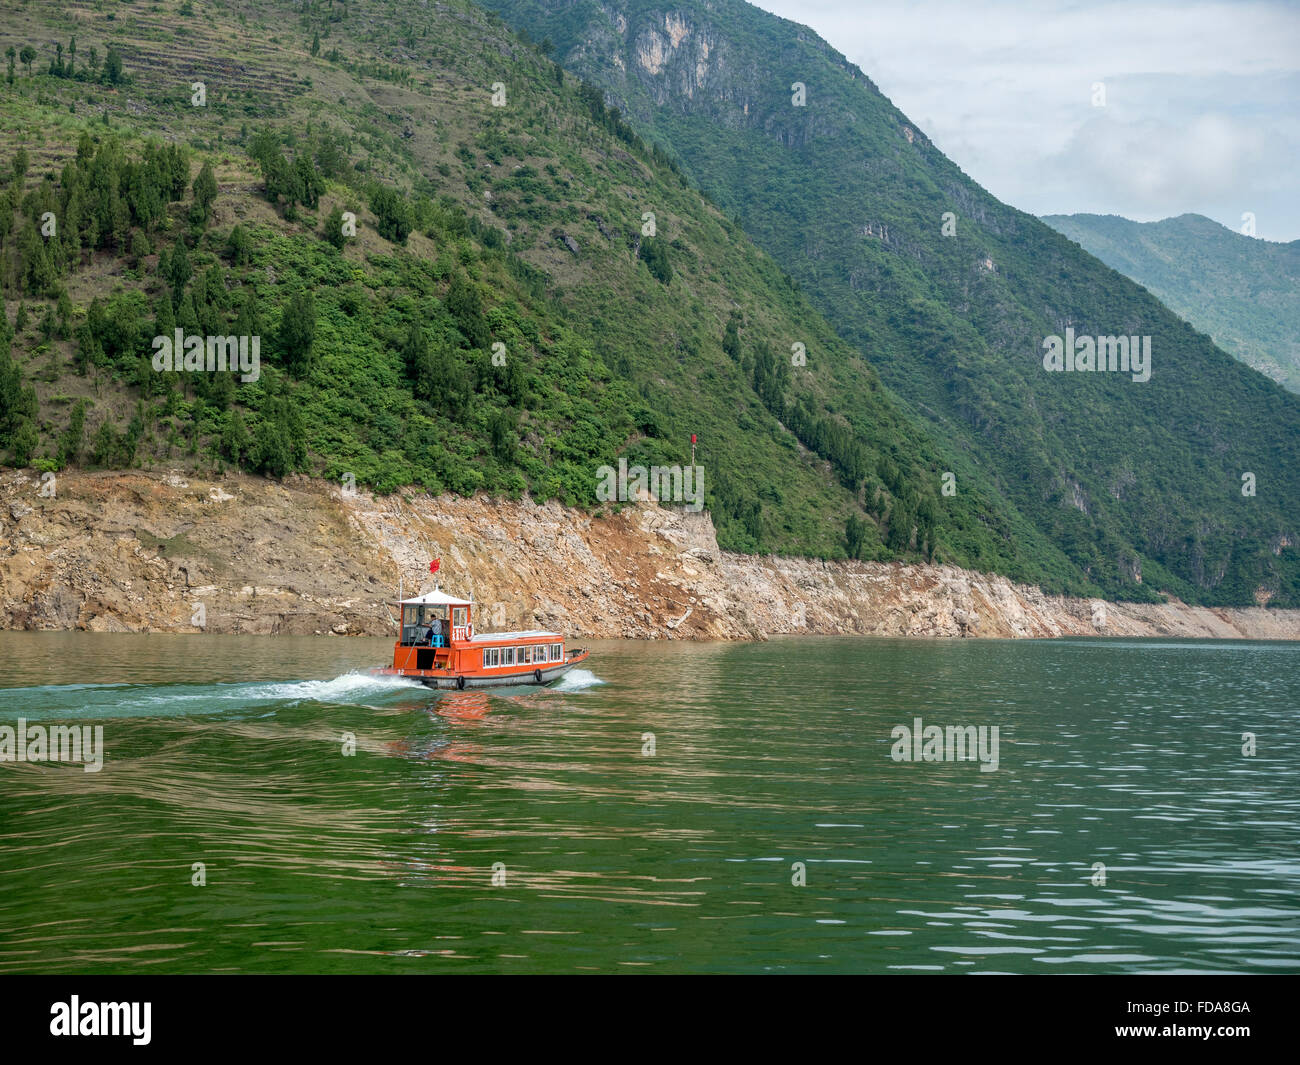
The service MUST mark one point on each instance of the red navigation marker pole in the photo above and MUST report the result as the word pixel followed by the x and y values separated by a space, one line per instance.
pixel 692 449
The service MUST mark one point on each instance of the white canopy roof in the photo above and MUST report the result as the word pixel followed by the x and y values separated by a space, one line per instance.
pixel 435 598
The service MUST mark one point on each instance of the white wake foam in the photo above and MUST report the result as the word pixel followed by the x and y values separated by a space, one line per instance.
pixel 339 689
pixel 576 680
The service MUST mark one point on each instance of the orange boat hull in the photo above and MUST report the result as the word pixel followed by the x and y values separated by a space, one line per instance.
pixel 444 675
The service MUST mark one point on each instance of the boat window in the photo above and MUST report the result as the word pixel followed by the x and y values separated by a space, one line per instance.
pixel 507 656
pixel 557 652
pixel 491 656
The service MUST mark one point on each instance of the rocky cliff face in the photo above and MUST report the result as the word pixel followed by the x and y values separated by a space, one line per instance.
pixel 151 552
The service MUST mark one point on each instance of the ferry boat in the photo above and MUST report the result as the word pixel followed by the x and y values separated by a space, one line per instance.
pixel 438 647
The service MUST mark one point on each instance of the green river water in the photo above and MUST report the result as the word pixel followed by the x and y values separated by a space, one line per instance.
pixel 672 808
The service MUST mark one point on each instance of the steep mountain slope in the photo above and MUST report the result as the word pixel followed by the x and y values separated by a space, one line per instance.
pixel 1244 292
pixel 507 317
pixel 950 295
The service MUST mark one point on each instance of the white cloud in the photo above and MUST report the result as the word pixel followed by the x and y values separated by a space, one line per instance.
pixel 1201 98
pixel 1152 164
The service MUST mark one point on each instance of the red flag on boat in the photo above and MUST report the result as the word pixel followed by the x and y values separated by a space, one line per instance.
pixel 433 566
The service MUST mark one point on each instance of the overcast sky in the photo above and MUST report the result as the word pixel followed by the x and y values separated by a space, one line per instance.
pixel 1202 99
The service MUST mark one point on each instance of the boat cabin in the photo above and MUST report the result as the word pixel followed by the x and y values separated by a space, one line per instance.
pixel 438 645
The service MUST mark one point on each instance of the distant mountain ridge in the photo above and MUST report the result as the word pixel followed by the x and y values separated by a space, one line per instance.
pixel 1242 291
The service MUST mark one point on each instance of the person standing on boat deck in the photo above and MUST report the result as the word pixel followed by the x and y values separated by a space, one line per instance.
pixel 435 629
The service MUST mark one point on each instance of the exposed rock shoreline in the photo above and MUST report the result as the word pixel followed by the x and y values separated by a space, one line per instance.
pixel 147 552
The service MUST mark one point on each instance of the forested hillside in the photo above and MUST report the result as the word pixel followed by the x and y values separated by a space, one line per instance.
pixel 466 272
pixel 950 296
pixel 528 292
